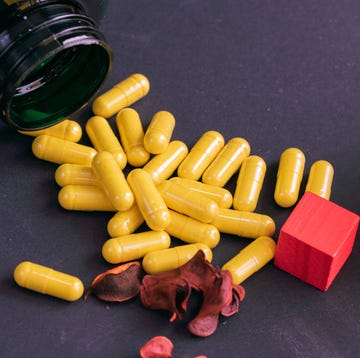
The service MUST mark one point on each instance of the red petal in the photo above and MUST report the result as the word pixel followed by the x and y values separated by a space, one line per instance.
pixel 164 292
pixel 204 326
pixel 157 347
pixel 238 294
pixel 216 296
pixel 171 291
pixel 198 271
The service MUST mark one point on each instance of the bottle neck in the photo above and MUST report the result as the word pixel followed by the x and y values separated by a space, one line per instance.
pixel 53 59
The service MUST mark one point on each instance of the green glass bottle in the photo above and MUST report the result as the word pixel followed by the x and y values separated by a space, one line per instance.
pixel 53 59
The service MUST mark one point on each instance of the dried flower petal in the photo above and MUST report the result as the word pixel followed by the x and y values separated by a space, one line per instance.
pixel 165 292
pixel 171 291
pixel 198 271
pixel 118 284
pixel 157 347
pixel 217 295
pixel 238 294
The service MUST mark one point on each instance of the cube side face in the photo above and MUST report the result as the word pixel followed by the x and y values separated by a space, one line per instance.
pixel 343 253
pixel 287 253
pixel 302 260
pixel 316 240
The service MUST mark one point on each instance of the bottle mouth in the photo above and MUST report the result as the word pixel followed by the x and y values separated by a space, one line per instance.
pixel 58 85
pixel 53 59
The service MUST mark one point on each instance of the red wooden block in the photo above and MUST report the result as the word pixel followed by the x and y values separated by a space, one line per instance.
pixel 316 240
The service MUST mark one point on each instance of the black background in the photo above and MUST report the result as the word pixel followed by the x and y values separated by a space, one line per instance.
pixel 277 73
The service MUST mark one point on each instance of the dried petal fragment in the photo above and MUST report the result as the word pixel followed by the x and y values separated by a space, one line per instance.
pixel 238 294
pixel 165 292
pixel 171 291
pixel 217 295
pixel 198 271
pixel 157 347
pixel 118 284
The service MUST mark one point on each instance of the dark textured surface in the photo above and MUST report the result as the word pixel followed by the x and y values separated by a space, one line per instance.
pixel 278 73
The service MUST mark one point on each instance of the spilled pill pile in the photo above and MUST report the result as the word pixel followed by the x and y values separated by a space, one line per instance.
pixel 145 177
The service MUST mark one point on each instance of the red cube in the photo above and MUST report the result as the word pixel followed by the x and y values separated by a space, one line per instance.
pixel 316 240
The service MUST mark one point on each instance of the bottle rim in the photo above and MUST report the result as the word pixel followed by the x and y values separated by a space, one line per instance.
pixel 54 68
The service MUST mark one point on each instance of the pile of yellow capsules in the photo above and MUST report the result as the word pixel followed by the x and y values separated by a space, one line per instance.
pixel 177 192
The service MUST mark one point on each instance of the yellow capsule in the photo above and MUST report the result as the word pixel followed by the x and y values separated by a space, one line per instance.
pixel 104 139
pixel 125 222
pixel 191 203
pixel 159 132
pixel 134 246
pixel 289 176
pixel 192 231
pixel 47 281
pixel 249 183
pixel 163 165
pixel 320 179
pixel 84 198
pixel 251 259
pixel 169 259
pixel 122 95
pixel 57 150
pixel 66 129
pixel 201 155
pixel 221 196
pixel 151 204
pixel 244 223
pixel 132 137
pixel 113 181
pixel 227 162
pixel 75 174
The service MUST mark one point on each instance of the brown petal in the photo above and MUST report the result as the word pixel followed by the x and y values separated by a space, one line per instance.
pixel 238 294
pixel 216 297
pixel 118 284
pixel 171 291
pixel 198 271
pixel 165 292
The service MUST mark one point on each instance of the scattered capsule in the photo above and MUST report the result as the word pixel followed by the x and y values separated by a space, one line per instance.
pixel 191 203
pixel 47 281
pixel 201 155
pixel 60 151
pixel 192 231
pixel 159 132
pixel 66 129
pixel 134 246
pixel 151 204
pixel 122 95
pixel 132 137
pixel 104 139
pixel 75 174
pixel 125 222
pixel 163 165
pixel 169 259
pixel 84 198
pixel 244 223
pixel 113 181
pixel 249 183
pixel 320 179
pixel 251 259
pixel 221 196
pixel 289 176
pixel 227 162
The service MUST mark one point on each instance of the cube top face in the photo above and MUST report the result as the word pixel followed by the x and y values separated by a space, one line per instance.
pixel 316 240
pixel 320 223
